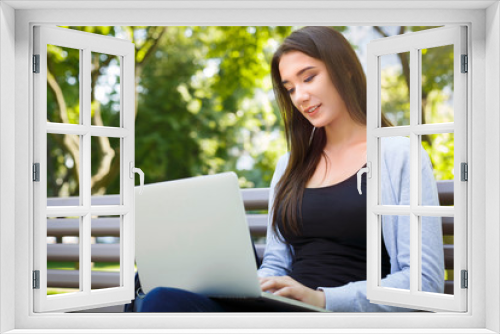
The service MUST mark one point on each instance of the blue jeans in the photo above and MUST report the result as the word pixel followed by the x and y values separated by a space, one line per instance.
pixel 177 300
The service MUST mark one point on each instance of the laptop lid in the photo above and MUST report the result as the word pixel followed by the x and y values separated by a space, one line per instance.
pixel 192 234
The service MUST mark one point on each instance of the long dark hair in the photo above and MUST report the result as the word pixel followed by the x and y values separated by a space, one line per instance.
pixel 346 74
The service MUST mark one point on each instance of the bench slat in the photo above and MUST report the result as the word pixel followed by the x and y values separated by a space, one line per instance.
pixel 111 253
pixel 100 227
pixel 257 224
pixel 70 279
pixel 448 287
pixel 448 257
pixel 255 199
pixel 70 252
pixel 110 227
pixel 445 192
pixel 75 201
pixel 448 226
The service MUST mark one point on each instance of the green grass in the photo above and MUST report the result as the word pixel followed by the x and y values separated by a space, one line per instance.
pixel 109 266
pixel 58 291
pixel 62 265
pixel 448 240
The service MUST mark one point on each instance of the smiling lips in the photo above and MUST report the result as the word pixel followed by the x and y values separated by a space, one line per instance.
pixel 312 109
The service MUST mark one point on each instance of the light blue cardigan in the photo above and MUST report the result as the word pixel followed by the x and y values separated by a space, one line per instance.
pixel 395 183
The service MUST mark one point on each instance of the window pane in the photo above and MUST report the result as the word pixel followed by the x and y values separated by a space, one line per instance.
pixel 105 251
pixel 402 224
pixel 448 241
pixel 63 85
pixel 63 170
pixel 106 89
pixel 105 170
pixel 391 180
pixel 63 255
pixel 437 85
pixel 395 88
pixel 436 263
pixel 440 148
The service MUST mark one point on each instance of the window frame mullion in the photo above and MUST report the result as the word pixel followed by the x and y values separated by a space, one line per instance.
pixel 415 103
pixel 86 173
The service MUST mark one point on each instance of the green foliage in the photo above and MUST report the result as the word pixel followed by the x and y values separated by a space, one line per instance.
pixel 442 155
pixel 437 69
pixel 395 96
pixel 166 146
pixel 204 105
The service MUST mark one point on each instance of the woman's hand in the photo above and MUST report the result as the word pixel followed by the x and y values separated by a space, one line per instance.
pixel 286 286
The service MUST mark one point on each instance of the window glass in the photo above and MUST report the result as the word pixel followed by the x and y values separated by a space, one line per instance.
pixel 63 255
pixel 431 231
pixel 105 251
pixel 395 88
pixel 437 85
pixel 440 149
pixel 106 158
pixel 63 85
pixel 106 89
pixel 391 181
pixel 403 251
pixel 449 249
pixel 63 170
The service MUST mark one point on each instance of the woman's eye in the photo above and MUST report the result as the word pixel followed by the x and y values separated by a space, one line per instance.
pixel 309 78
pixel 291 90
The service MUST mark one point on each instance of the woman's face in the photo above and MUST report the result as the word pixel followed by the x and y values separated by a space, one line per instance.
pixel 310 88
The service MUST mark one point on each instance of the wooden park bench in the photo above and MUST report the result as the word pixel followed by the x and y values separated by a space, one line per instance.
pixel 255 200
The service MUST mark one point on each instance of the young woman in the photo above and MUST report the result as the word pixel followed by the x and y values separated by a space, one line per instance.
pixel 316 241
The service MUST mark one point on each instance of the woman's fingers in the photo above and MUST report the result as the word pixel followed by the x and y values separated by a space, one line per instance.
pixel 286 286
pixel 272 284
pixel 289 292
pixel 282 286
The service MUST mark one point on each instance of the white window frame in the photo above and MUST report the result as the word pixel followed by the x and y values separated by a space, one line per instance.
pixel 483 20
pixel 413 43
pixel 86 43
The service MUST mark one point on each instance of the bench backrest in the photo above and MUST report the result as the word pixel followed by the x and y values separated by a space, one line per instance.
pixel 254 200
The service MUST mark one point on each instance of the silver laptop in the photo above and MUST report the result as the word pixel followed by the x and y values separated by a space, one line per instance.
pixel 192 234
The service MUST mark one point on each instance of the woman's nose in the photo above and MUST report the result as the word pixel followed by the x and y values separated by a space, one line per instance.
pixel 301 94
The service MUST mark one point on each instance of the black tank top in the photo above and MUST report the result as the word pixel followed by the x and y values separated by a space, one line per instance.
pixel 331 249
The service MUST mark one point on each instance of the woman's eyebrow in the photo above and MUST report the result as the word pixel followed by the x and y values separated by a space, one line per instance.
pixel 299 73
